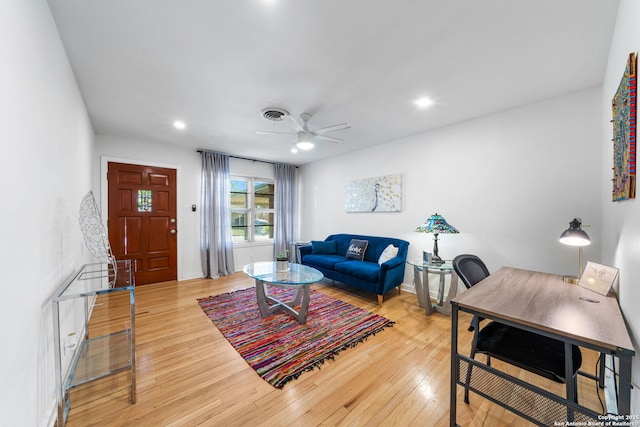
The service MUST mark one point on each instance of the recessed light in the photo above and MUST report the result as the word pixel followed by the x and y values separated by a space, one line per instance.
pixel 423 102
pixel 179 124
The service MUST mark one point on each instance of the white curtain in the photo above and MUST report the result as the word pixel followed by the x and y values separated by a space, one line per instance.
pixel 285 209
pixel 216 245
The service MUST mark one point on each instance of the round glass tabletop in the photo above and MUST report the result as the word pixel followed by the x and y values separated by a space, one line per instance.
pixel 432 267
pixel 296 275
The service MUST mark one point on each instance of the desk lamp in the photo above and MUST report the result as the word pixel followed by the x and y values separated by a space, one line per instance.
pixel 575 236
pixel 436 224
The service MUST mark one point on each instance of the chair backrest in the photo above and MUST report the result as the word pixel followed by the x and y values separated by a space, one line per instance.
pixel 470 269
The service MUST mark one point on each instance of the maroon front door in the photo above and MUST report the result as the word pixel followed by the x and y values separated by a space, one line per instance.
pixel 142 220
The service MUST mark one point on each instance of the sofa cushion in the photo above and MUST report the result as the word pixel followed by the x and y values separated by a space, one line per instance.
pixel 356 249
pixel 361 269
pixel 327 261
pixel 323 247
pixel 388 253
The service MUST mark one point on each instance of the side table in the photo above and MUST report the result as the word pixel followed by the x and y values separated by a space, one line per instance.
pixel 421 273
pixel 297 246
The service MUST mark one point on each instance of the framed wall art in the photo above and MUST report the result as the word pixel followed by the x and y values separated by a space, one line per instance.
pixel 378 194
pixel 623 107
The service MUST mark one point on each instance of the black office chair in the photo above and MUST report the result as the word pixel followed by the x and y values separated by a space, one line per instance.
pixel 471 270
pixel 535 353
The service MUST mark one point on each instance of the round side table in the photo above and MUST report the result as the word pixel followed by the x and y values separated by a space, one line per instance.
pixel 421 273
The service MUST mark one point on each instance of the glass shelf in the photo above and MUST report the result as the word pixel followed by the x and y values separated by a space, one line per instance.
pixel 93 357
pixel 102 356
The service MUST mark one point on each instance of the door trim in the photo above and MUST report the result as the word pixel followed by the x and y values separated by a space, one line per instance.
pixel 104 194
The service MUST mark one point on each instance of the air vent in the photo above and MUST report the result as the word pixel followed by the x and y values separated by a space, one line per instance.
pixel 274 114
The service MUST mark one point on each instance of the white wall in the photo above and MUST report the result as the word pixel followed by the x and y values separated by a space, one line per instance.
pixel 187 163
pixel 510 182
pixel 621 220
pixel 45 168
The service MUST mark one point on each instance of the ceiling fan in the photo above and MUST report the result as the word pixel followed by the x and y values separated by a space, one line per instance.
pixel 304 136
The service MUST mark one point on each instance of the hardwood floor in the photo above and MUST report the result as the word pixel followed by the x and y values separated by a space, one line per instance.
pixel 189 375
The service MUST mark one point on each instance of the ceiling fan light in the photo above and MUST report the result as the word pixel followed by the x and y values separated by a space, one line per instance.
pixel 304 145
pixel 423 102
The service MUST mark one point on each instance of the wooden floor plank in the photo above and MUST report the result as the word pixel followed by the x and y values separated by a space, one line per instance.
pixel 189 375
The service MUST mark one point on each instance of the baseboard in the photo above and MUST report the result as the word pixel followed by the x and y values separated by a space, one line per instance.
pixel 53 418
pixel 409 288
pixel 191 276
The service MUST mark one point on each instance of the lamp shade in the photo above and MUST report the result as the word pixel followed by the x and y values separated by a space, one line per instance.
pixel 575 235
pixel 436 224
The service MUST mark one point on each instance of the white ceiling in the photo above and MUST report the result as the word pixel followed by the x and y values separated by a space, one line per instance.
pixel 141 64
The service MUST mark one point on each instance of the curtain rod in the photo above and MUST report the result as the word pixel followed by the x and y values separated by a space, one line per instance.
pixel 200 150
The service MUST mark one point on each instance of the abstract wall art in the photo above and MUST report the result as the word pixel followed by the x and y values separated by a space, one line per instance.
pixel 378 194
pixel 623 106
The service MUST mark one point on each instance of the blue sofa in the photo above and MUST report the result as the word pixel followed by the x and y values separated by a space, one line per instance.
pixel 329 256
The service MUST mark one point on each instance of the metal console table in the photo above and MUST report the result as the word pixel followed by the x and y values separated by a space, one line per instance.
pixel 79 361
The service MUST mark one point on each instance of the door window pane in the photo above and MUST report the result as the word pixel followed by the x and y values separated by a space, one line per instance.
pixel 144 201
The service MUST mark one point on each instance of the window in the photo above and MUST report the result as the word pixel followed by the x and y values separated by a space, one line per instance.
pixel 252 215
pixel 144 201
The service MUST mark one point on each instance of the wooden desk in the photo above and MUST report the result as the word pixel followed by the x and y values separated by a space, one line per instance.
pixel 542 303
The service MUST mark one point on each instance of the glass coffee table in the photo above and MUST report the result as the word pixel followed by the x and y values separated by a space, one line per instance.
pixel 299 277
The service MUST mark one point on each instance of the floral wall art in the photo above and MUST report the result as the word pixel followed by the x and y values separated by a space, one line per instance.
pixel 623 106
pixel 378 194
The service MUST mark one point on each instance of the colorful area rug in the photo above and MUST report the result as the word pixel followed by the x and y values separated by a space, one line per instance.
pixel 278 347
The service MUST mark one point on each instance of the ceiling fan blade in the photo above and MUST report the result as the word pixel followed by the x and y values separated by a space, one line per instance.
pixel 300 126
pixel 333 128
pixel 267 132
pixel 328 138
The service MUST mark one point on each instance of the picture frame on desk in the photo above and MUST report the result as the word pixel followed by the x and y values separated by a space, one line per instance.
pixel 426 258
pixel 598 278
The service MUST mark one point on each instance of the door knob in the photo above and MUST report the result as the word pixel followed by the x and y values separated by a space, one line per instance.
pixel 172 231
pixel 172 220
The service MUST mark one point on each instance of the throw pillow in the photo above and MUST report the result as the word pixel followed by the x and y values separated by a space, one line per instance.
pixel 388 253
pixel 357 249
pixel 323 247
